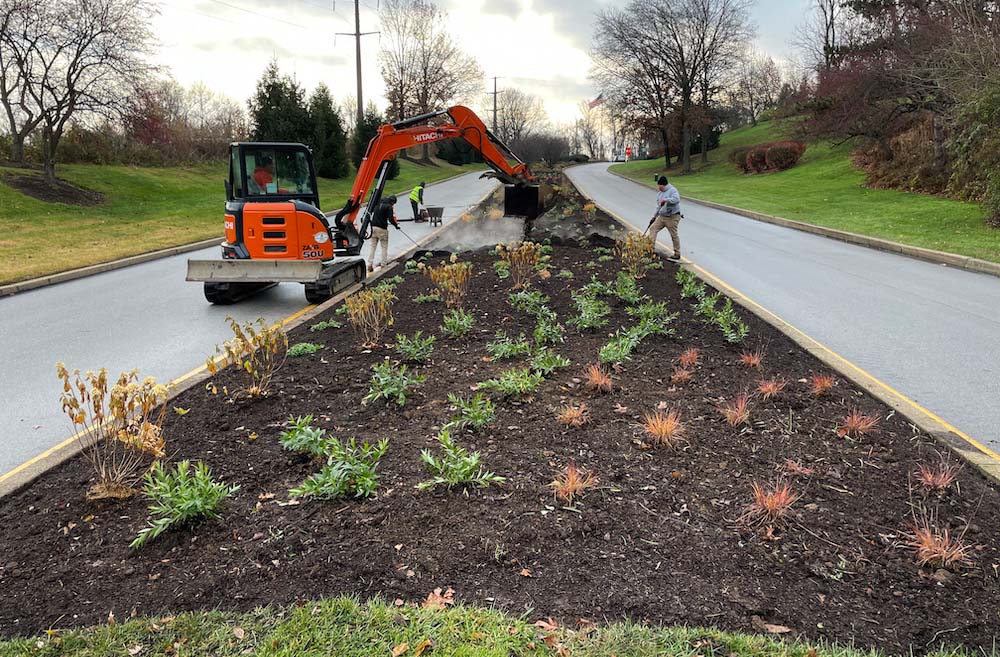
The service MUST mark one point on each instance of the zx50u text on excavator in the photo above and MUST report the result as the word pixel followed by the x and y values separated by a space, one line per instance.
pixel 276 231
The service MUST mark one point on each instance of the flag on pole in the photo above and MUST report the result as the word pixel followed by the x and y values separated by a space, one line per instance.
pixel 597 101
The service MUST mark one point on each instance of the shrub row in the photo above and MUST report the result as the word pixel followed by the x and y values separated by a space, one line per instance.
pixel 773 156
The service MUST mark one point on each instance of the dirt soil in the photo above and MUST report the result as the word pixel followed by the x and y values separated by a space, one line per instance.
pixel 62 192
pixel 659 541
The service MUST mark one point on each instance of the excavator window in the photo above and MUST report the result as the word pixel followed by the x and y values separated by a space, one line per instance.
pixel 277 172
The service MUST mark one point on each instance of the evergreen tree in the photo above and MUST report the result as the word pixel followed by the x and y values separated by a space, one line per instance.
pixel 364 133
pixel 329 143
pixel 278 110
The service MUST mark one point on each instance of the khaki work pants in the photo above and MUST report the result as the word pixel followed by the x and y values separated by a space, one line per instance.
pixel 379 236
pixel 670 223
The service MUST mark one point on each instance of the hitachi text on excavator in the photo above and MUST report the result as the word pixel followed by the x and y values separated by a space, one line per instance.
pixel 276 231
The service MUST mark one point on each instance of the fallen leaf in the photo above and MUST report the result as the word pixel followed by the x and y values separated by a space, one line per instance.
pixel 399 546
pixel 424 645
pixel 111 619
pixel 662 406
pixel 438 600
pixel 400 649
pixel 777 629
pixel 88 518
pixel 239 633
pixel 399 602
pixel 135 650
pixel 263 497
pixel 547 625
pixel 621 409
pixel 525 573
pixel 181 411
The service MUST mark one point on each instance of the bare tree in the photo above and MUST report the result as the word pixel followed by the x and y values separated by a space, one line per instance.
pixel 23 25
pixel 820 37
pixel 82 57
pixel 518 114
pixel 756 85
pixel 588 129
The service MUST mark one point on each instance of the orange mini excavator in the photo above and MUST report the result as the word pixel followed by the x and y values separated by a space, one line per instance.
pixel 276 232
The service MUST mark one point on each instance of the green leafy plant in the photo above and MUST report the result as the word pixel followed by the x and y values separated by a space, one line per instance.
pixel 417 349
pixel 565 274
pixel 302 437
pixel 654 319
pixel 513 382
pixel 303 349
pixel 592 313
pixel 546 362
pixel 350 471
pixel 411 267
pixel 391 383
pixel 456 465
pixel 619 348
pixel 474 413
pixel 504 347
pixel 432 297
pixel 529 301
pixel 180 496
pixel 548 330
pixel 502 269
pixel 457 323
pixel 322 326
pixel 389 284
pixel 627 289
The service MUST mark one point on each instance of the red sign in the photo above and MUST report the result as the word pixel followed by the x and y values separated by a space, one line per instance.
pixel 628 151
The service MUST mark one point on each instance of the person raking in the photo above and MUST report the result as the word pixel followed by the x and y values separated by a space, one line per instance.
pixel 383 216
pixel 668 215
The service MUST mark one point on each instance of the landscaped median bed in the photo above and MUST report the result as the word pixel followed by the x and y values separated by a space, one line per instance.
pixel 644 511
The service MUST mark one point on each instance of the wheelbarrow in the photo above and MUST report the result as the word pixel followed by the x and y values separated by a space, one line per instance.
pixel 433 214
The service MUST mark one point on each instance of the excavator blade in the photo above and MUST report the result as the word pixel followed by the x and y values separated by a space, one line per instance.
pixel 526 201
pixel 254 271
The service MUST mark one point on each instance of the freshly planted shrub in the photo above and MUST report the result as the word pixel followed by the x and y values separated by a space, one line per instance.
pixel 619 348
pixel 452 281
pixel 322 326
pixel 256 350
pixel 592 313
pixel 370 313
pixel 304 438
pixel 502 269
pixel 737 410
pixel 124 425
pixel 457 323
pixel 548 330
pixel 635 253
pixel 180 496
pixel 474 413
pixel 417 349
pixel 504 347
pixel 529 301
pixel 572 482
pixel 350 471
pixel 627 289
pixel 303 349
pixel 572 415
pixel 856 424
pixel 391 383
pixel 597 380
pixel 770 503
pixel 654 319
pixel 432 297
pixel 664 429
pixel 455 466
pixel 545 361
pixel 523 259
pixel 513 382
pixel 565 274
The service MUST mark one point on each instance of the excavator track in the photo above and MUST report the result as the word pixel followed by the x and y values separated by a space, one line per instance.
pixel 224 294
pixel 334 279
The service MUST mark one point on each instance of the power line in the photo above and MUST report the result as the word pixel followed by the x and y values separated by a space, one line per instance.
pixel 257 13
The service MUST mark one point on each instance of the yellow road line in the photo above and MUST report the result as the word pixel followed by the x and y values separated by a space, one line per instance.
pixel 833 354
pixel 198 370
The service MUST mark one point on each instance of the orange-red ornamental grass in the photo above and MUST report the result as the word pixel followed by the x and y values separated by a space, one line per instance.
pixel 770 387
pixel 664 429
pixel 935 546
pixel 573 416
pixel 736 411
pixel 938 477
pixel 857 424
pixel 680 375
pixel 571 482
pixel 821 384
pixel 770 503
pixel 597 380
pixel 752 358
pixel 796 468
pixel 689 358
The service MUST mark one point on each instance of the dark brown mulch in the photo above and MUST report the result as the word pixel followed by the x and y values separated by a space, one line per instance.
pixel 60 192
pixel 659 541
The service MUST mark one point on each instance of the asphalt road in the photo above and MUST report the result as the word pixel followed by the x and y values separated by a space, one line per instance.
pixel 929 331
pixel 143 316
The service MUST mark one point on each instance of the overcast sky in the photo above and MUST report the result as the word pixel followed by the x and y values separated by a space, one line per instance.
pixel 539 46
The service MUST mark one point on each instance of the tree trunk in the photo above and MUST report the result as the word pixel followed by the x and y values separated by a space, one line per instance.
pixel 686 143
pixel 50 141
pixel 666 145
pixel 17 148
pixel 704 146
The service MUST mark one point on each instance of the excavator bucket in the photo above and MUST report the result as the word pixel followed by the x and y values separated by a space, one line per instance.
pixel 528 201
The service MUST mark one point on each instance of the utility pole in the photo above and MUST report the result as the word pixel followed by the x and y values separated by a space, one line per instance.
pixel 357 34
pixel 494 94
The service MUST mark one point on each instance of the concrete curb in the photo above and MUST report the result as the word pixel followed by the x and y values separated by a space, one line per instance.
pixel 73 274
pixel 964 446
pixel 930 255
pixel 24 474
pixel 100 268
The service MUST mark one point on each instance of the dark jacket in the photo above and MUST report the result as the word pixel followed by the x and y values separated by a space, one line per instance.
pixel 383 216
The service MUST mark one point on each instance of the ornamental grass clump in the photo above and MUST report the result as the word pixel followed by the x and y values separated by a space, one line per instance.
pixel 452 281
pixel 370 314
pixel 937 477
pixel 119 427
pixel 391 383
pixel 417 349
pixel 350 471
pixel 752 358
pixel 523 259
pixel 934 545
pixel 473 414
pixel 664 429
pixel 505 347
pixel 598 381
pixel 768 388
pixel 857 424
pixel 770 503
pixel 303 438
pixel 573 415
pixel 455 466
pixel 736 410
pixel 256 351
pixel 820 384
pixel 689 358
pixel 681 375
pixel 635 253
pixel 179 497
pixel 572 482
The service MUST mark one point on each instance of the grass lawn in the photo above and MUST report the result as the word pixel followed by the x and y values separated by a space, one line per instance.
pixel 343 627
pixel 145 209
pixel 825 189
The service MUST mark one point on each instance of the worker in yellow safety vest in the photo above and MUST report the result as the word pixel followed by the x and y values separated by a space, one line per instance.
pixel 416 198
